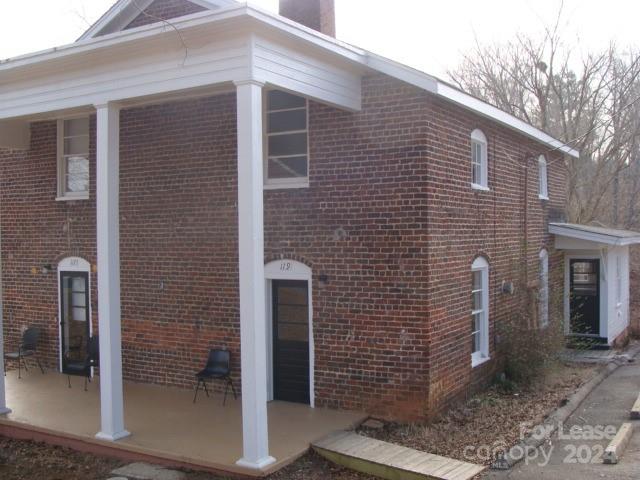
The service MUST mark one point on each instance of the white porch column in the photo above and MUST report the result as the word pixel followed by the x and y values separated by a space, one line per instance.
pixel 108 243
pixel 255 439
pixel 3 399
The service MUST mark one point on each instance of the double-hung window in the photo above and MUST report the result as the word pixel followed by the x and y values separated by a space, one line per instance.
pixel 479 311
pixel 73 159
pixel 479 167
pixel 543 189
pixel 287 142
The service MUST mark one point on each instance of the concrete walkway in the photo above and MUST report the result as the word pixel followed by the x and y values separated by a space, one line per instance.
pixel 580 458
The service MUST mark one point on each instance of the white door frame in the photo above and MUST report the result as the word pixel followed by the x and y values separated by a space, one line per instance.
pixel 602 286
pixel 72 264
pixel 287 269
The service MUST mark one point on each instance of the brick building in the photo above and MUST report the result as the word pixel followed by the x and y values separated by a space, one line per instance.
pixel 357 227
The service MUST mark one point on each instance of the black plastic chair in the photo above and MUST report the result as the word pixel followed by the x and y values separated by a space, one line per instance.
pixel 28 348
pixel 83 368
pixel 218 368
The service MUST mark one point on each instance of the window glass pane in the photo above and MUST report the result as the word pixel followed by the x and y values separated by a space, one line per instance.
pixel 477 300
pixel 281 100
pixel 78 299
pixel 292 295
pixel 477 280
pixel 79 314
pixel 293 331
pixel 287 121
pixel 77 174
pixel 76 145
pixel 77 284
pixel 288 144
pixel 77 126
pixel 290 167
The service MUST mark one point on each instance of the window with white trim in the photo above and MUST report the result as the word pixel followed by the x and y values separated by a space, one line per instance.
pixel 543 291
pixel 286 140
pixel 543 189
pixel 73 159
pixel 479 167
pixel 479 311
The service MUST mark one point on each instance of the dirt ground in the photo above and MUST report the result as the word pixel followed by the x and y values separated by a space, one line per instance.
pixel 491 418
pixel 494 418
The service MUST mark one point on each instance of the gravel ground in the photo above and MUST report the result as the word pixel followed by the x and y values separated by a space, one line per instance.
pixel 491 418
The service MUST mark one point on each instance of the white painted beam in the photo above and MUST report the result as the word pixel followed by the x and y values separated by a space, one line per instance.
pixel 108 243
pixel 15 135
pixel 255 438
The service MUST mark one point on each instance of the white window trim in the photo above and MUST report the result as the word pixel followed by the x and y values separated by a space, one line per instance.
pixel 477 136
pixel 543 179
pixel 281 183
pixel 62 195
pixel 543 291
pixel 477 358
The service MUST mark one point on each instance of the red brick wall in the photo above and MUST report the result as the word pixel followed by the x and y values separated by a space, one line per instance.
pixel 389 218
pixel 317 14
pixel 164 10
pixel 464 223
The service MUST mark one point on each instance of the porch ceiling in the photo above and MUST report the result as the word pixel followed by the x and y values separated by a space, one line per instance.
pixel 165 421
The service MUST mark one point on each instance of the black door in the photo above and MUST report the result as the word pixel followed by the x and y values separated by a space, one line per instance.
pixel 585 297
pixel 74 316
pixel 291 341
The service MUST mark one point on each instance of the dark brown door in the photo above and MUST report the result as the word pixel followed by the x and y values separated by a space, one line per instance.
pixel 585 296
pixel 74 316
pixel 291 341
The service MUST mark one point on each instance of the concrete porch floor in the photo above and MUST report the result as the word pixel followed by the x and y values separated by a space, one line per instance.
pixel 164 423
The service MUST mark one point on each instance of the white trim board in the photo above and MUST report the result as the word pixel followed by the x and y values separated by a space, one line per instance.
pixel 596 235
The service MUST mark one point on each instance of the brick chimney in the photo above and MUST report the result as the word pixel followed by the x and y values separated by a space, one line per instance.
pixel 317 14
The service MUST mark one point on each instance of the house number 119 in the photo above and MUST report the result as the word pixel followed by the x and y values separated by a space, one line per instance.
pixel 285 266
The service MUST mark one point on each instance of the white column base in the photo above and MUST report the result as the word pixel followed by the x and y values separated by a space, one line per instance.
pixel 4 411
pixel 259 465
pixel 112 438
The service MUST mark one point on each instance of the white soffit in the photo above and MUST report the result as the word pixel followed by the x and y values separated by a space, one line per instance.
pixel 597 235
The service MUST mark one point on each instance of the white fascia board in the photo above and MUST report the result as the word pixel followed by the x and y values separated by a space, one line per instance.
pixel 494 113
pixel 592 236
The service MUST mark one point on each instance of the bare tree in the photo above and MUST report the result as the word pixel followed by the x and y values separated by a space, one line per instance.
pixel 591 104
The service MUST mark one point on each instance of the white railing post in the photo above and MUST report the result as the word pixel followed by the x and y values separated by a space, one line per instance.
pixel 255 438
pixel 108 246
pixel 3 398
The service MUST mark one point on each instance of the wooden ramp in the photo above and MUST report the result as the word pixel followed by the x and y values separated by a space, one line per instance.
pixel 390 461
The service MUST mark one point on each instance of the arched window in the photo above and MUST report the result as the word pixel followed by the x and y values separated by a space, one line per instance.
pixel 543 300
pixel 543 189
pixel 479 311
pixel 479 168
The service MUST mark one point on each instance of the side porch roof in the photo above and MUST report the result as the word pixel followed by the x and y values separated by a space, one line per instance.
pixel 595 235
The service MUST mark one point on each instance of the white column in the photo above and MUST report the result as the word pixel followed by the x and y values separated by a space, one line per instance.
pixel 108 243
pixel 3 399
pixel 255 438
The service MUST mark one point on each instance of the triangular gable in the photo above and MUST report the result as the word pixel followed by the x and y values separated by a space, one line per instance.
pixel 126 14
